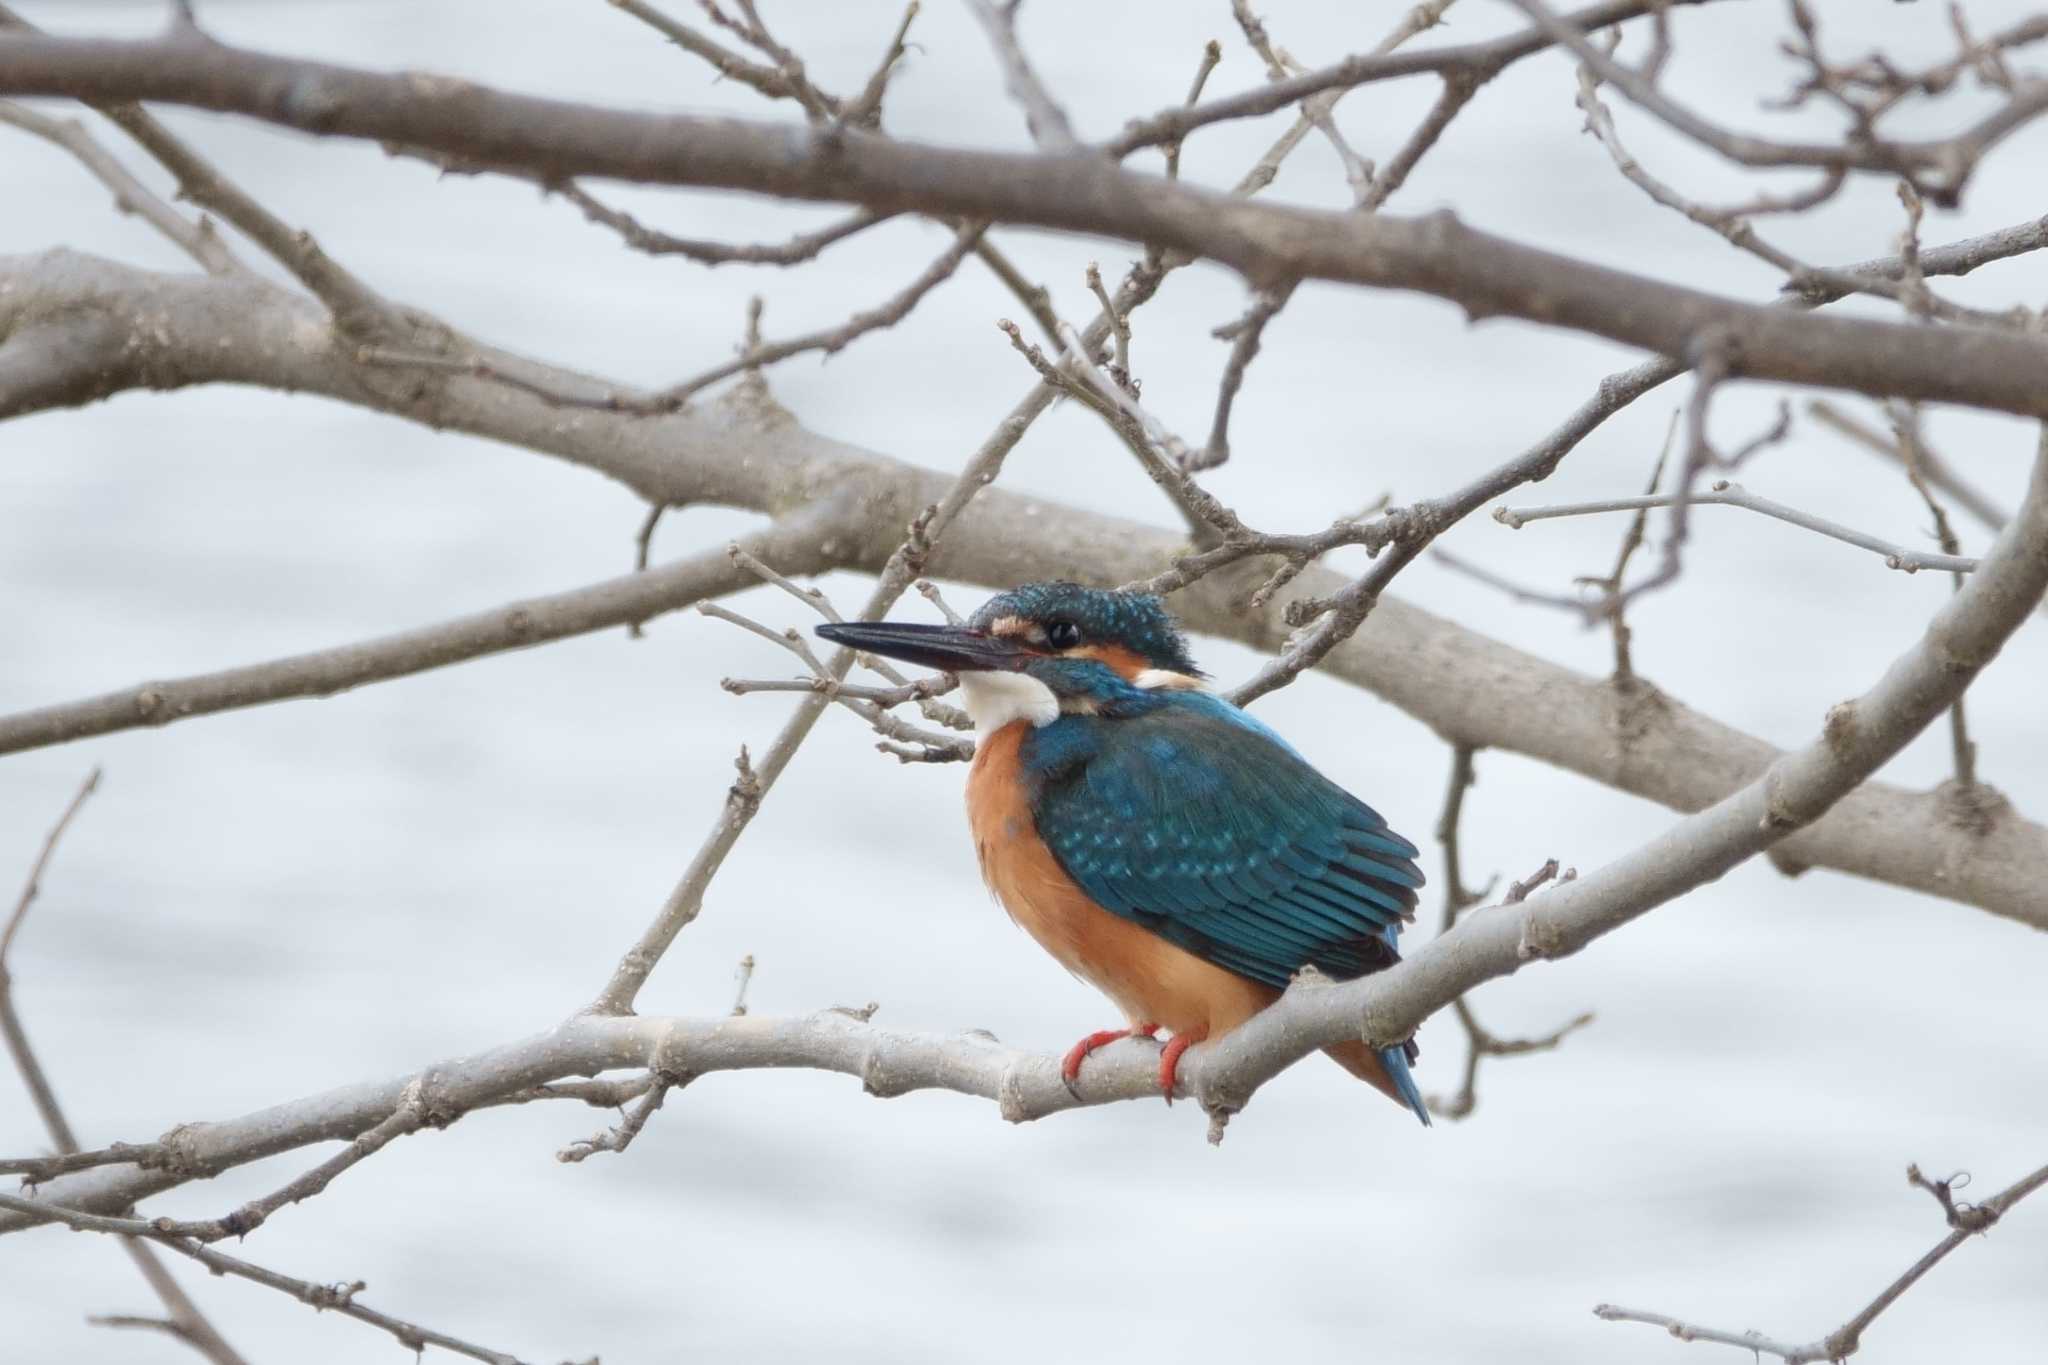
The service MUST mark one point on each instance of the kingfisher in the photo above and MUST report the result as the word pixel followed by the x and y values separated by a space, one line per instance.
pixel 1165 846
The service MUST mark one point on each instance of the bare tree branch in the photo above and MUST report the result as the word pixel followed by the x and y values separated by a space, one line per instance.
pixel 803 247
pixel 518 625
pixel 1244 337
pixel 1459 88
pixel 1465 686
pixel 905 563
pixel 1382 1009
pixel 1212 53
pixel 197 240
pixel 1956 258
pixel 355 308
pixel 185 1322
pixel 410 1116
pixel 337 1297
pixel 1480 1043
pixel 618 1139
pixel 1951 159
pixel 1316 111
pixel 1483 274
pixel 1042 114
pixel 73 329
pixel 1726 494
pixel 1478 59
pixel 1843 1342
pixel 866 109
pixel 1938 472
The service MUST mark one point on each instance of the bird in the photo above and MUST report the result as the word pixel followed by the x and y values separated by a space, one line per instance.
pixel 1163 844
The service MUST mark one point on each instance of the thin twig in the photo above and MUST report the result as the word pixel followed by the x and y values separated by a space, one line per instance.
pixel 643 545
pixel 1075 376
pixel 412 1114
pixel 356 309
pixel 1120 326
pixel 1904 284
pixel 1726 494
pixel 929 591
pixel 818 106
pixel 805 246
pixel 765 80
pixel 865 111
pixel 1588 612
pixel 1036 298
pixel 905 564
pixel 197 240
pixel 1950 159
pixel 1358 172
pixel 1610 605
pixel 34 886
pixel 830 340
pixel 1485 58
pixel 1480 1043
pixel 1244 337
pixel 870 704
pixel 922 691
pixel 1938 472
pixel 1212 53
pixel 338 1297
pixel 684 903
pixel 1843 1342
pixel 620 1137
pixel 1042 115
pixel 1459 88
pixel 1906 428
pixel 752 357
pixel 185 1321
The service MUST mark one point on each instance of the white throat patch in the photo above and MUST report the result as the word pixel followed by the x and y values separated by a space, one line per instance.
pixel 994 700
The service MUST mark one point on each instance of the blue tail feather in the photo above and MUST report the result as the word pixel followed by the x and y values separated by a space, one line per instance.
pixel 1395 1060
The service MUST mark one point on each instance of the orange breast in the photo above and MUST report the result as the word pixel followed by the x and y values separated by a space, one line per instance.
pixel 1151 980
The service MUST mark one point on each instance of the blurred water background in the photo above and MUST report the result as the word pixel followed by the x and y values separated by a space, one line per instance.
pixel 265 904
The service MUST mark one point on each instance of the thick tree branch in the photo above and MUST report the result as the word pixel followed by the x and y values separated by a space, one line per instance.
pixel 353 305
pixel 1465 686
pixel 795 542
pixel 1797 789
pixel 1268 243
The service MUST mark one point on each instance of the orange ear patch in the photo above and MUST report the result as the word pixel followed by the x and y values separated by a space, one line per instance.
pixel 1127 663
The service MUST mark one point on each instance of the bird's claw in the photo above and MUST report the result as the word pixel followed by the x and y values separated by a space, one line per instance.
pixel 1070 1065
pixel 1169 1060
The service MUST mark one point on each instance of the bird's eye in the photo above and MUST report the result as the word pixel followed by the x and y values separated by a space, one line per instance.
pixel 1062 634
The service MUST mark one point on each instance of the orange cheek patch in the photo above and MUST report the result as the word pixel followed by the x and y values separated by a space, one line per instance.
pixel 1127 663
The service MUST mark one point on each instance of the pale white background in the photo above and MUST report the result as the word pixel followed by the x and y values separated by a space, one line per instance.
pixel 265 904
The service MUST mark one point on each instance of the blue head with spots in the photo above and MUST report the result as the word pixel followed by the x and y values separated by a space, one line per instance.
pixel 1131 632
pixel 1100 648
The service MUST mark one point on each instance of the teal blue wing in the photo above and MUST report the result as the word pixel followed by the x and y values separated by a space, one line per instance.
pixel 1199 823
pixel 1194 820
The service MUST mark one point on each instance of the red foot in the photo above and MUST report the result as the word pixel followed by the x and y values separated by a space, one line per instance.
pixel 1070 1069
pixel 1169 1059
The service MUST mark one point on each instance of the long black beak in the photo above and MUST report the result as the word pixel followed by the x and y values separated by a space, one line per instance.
pixel 953 649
